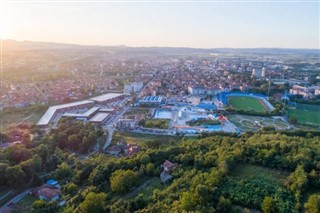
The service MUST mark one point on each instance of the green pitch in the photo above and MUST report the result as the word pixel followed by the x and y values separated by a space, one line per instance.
pixel 247 103
pixel 306 114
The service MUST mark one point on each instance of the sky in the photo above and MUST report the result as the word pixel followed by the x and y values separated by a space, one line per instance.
pixel 236 24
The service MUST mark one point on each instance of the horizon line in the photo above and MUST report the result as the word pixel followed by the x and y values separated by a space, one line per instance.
pixel 154 46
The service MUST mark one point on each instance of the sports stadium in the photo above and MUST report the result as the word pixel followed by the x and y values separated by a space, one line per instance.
pixel 245 101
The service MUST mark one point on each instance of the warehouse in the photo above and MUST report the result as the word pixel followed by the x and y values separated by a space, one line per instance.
pixel 107 98
pixel 100 118
pixel 52 111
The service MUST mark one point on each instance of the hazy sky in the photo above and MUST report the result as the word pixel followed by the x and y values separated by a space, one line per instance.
pixel 201 24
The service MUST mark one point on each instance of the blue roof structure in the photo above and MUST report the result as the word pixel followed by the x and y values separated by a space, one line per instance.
pixel 52 182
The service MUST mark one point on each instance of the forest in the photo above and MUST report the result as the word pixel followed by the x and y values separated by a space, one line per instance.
pixel 268 171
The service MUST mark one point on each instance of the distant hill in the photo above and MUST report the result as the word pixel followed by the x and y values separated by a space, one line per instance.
pixel 12 45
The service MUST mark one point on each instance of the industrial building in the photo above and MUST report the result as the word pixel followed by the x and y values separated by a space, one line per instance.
pixel 100 118
pixel 126 123
pixel 50 114
pixel 82 116
pixel 107 98
pixel 151 101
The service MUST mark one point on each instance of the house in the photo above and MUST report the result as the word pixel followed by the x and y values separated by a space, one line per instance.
pixel 114 150
pixel 49 191
pixel 48 194
pixel 123 148
pixel 165 175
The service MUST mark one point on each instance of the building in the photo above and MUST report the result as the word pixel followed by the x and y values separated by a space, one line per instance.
pixel 196 90
pixel 83 116
pixel 133 87
pixel 151 101
pixel 165 175
pixel 123 149
pixel 107 98
pixel 52 111
pixel 100 118
pixel 126 123
pixel 263 73
pixel 49 191
pixel 256 73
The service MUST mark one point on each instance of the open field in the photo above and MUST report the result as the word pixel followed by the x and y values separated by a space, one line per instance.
pixel 254 123
pixel 28 114
pixel 146 189
pixel 137 111
pixel 247 103
pixel 270 175
pixel 306 114
pixel 141 138
pixel 155 123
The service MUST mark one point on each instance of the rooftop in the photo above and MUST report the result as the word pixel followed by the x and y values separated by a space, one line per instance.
pixel 106 97
pixel 99 117
pixel 47 116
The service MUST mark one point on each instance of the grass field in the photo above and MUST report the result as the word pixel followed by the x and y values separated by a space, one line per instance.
pixel 137 111
pixel 14 116
pixel 141 138
pixel 246 103
pixel 306 114
pixel 146 189
pixel 270 175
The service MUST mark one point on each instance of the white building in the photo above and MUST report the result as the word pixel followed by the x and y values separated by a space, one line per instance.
pixel 133 87
pixel 196 90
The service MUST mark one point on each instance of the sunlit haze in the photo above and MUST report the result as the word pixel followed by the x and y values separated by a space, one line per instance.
pixel 205 25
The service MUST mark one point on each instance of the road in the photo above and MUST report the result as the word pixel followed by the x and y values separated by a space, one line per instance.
pixel 14 200
pixel 110 127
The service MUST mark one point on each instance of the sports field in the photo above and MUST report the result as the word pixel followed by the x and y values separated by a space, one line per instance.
pixel 306 114
pixel 247 103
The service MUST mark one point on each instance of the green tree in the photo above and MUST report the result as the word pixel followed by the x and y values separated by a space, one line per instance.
pixel 122 181
pixel 14 176
pixel 313 204
pixel 298 179
pixel 268 205
pixel 3 167
pixel 63 171
pixel 224 205
pixel 94 203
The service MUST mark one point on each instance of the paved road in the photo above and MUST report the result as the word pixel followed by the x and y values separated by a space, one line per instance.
pixel 14 200
pixel 109 139
pixel 110 127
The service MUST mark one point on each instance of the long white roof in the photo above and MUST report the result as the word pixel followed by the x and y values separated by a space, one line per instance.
pixel 106 97
pixel 99 117
pixel 47 116
pixel 88 113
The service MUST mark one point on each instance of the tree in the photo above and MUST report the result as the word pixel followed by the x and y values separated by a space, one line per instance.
pixel 122 181
pixel 187 201
pixel 298 179
pixel 63 171
pixel 224 204
pixel 3 167
pixel 293 120
pixel 14 176
pixel 268 205
pixel 313 204
pixel 71 189
pixel 94 203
